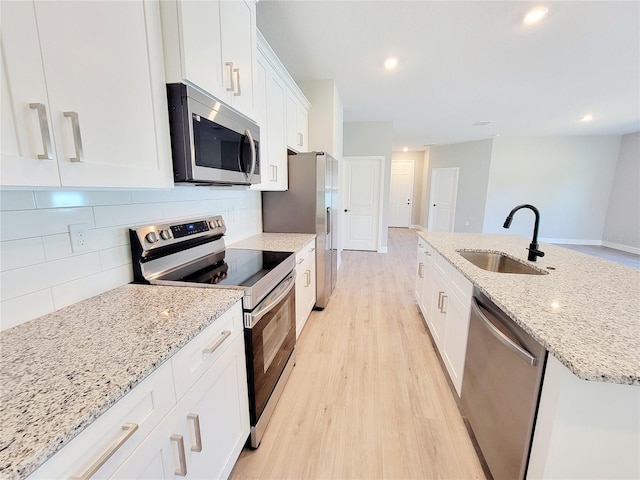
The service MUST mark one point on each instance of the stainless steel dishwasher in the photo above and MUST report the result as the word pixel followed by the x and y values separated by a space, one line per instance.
pixel 501 387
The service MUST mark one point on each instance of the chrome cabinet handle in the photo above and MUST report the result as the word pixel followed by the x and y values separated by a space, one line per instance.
pixel 307 274
pixel 506 341
pixel 427 253
pixel 181 471
pixel 442 310
pixel 274 173
pixel 300 139
pixel 420 270
pixel 129 429
pixel 300 261
pixel 440 300
pixel 44 130
pixel 238 92
pixel 196 427
pixel 77 140
pixel 232 86
pixel 223 336
pixel 312 249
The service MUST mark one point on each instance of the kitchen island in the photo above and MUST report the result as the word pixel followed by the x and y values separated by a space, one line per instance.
pixel 586 312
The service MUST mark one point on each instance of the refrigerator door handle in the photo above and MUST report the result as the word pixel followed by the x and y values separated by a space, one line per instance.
pixel 328 220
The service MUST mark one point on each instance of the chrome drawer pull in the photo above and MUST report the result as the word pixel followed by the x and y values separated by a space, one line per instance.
pixel 223 336
pixel 239 91
pixel 181 471
pixel 77 141
pixel 196 427
pixel 44 130
pixel 231 87
pixel 129 429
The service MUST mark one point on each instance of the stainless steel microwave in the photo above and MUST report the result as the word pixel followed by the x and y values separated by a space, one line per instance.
pixel 210 142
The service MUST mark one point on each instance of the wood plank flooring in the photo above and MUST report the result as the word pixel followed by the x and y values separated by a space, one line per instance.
pixel 367 398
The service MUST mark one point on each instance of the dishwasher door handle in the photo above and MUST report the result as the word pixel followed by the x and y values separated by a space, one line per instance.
pixel 506 341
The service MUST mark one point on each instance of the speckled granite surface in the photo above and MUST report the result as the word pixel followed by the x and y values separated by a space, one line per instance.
pixel 277 242
pixel 59 372
pixel 586 312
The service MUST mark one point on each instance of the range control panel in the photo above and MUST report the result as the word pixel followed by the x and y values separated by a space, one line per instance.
pixel 154 236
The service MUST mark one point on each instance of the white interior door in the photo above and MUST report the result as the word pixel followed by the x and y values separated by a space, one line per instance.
pixel 401 193
pixel 361 202
pixel 442 201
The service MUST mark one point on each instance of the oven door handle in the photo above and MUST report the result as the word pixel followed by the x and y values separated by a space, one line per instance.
pixel 280 292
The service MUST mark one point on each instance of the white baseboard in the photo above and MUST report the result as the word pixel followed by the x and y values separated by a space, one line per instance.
pixel 416 227
pixel 383 250
pixel 571 241
pixel 619 246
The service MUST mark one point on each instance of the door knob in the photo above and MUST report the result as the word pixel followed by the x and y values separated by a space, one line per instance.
pixel 346 210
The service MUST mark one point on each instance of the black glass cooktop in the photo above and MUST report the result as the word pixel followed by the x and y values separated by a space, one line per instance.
pixel 232 267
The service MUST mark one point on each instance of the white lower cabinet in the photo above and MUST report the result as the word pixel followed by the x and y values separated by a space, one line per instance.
pixel 154 433
pixel 305 284
pixel 204 433
pixel 444 298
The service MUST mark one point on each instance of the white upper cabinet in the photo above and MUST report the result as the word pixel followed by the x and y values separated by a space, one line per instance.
pixel 212 45
pixel 79 111
pixel 297 123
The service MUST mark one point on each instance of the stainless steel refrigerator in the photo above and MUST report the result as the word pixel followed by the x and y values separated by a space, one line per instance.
pixel 309 206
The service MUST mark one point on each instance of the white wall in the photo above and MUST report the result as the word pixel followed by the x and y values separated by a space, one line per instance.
pixel 622 226
pixel 418 162
pixel 373 139
pixel 40 273
pixel 568 179
pixel 473 159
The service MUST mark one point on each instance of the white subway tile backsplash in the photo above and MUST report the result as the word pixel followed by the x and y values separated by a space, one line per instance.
pixel 21 253
pixel 127 215
pixel 17 200
pixel 27 307
pixel 72 292
pixel 21 281
pixel 40 272
pixel 80 198
pixel 35 223
pixel 115 257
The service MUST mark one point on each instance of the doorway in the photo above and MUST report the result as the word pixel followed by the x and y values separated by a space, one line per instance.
pixel 362 203
pixel 401 193
pixel 442 200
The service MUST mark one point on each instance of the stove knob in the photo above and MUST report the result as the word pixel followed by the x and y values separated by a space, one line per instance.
pixel 152 237
pixel 212 224
pixel 165 234
pixel 220 224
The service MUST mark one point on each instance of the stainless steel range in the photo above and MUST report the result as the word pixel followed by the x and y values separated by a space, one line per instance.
pixel 192 253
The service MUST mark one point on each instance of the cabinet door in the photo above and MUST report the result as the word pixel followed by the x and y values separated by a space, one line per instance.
pixel 302 131
pixel 237 29
pixel 455 340
pixel 276 148
pixel 200 47
pixel 292 122
pixel 437 320
pixel 203 435
pixel 422 260
pixel 104 73
pixel 28 155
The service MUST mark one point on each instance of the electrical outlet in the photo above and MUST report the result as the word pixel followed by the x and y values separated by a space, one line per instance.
pixel 79 234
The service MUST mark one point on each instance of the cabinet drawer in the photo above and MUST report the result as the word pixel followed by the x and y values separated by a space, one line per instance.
pixel 200 353
pixel 306 251
pixel 146 405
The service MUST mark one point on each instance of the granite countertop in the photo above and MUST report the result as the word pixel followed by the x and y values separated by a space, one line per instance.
pixel 586 311
pixel 277 242
pixel 61 371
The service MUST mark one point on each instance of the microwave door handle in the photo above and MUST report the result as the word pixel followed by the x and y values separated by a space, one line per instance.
pixel 253 154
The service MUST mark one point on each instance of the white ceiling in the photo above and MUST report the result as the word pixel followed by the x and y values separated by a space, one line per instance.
pixel 465 62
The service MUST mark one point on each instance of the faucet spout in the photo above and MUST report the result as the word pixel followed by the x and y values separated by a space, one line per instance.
pixel 533 246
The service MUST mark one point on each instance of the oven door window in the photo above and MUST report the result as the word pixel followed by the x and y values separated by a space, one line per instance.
pixel 269 346
pixel 219 147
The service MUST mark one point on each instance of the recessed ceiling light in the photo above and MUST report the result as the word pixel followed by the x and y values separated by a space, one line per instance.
pixel 481 123
pixel 535 15
pixel 405 149
pixel 390 63
pixel 587 118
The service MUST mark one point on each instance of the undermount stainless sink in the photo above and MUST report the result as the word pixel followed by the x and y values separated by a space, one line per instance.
pixel 499 262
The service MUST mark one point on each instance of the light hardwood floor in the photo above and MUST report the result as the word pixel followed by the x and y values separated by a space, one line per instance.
pixel 367 398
